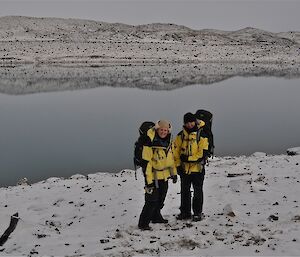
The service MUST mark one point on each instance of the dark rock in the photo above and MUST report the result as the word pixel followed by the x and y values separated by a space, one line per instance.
pixel 273 217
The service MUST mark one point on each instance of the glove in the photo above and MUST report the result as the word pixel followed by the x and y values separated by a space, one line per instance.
pixel 203 161
pixel 184 158
pixel 149 188
pixel 174 179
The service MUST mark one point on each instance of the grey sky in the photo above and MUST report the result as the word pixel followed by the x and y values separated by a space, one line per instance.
pixel 271 15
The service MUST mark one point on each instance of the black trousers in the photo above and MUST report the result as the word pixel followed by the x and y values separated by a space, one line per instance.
pixel 187 202
pixel 153 204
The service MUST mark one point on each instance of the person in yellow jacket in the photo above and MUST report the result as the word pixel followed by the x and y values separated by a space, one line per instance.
pixel 158 154
pixel 189 148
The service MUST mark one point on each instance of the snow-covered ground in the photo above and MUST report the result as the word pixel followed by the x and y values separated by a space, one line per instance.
pixel 251 208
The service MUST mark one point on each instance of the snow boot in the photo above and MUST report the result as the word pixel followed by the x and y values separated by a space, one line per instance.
pixel 183 216
pixel 143 228
pixel 197 217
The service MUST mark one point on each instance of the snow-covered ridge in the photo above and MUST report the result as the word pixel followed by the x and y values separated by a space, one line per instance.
pixel 22 28
pixel 251 208
pixel 153 56
pixel 39 40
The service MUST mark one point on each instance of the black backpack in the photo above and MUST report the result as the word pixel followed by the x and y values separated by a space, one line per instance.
pixel 138 145
pixel 207 117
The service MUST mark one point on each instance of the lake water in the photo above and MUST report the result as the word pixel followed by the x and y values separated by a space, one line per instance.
pixel 86 131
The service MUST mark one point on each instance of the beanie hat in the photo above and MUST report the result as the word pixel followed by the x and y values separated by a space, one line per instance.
pixel 163 124
pixel 189 117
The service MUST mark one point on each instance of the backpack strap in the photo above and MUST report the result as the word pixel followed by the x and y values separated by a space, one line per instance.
pixel 198 134
pixel 182 135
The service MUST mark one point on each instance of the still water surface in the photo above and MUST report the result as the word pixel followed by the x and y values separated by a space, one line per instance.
pixel 86 131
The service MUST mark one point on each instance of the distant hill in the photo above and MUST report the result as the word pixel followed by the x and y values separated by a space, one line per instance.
pixel 29 28
pixel 157 56
pixel 55 40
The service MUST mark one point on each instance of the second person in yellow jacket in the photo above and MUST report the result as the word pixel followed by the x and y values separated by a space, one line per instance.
pixel 189 148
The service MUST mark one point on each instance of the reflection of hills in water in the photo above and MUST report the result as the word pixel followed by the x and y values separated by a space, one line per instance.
pixel 31 79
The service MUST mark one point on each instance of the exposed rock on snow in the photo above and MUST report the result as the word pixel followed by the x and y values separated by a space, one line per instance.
pixel 293 151
pixel 156 56
pixel 23 182
pixel 228 210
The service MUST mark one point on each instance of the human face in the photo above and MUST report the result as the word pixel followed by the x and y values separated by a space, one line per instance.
pixel 162 132
pixel 190 125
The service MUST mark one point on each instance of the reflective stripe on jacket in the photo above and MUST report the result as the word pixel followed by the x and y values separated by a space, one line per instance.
pixel 160 160
pixel 191 146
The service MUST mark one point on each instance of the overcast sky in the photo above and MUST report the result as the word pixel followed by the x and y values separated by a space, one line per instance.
pixel 271 15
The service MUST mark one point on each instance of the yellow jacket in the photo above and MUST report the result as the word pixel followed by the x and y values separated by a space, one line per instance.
pixel 188 144
pixel 200 125
pixel 160 159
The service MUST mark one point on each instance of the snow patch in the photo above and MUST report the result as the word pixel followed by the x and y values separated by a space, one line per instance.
pixel 259 154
